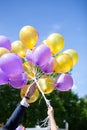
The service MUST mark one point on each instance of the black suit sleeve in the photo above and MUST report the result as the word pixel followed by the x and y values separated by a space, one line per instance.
pixel 15 118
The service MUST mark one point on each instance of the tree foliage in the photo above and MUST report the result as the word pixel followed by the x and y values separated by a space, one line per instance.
pixel 67 106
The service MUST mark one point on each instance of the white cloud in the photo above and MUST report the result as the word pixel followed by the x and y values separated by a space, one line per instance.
pixel 56 27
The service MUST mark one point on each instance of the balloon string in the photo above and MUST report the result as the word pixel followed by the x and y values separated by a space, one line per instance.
pixel 46 100
pixel 45 122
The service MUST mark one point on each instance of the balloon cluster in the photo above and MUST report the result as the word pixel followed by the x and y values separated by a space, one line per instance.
pixel 23 61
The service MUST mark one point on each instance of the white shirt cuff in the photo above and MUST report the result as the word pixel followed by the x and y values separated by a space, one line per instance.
pixel 24 102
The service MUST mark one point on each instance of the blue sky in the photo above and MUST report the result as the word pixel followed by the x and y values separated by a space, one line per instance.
pixel 67 17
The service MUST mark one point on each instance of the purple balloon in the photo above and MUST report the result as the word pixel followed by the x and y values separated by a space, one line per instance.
pixel 3 78
pixel 18 81
pixel 64 82
pixel 20 127
pixel 11 64
pixel 41 55
pixel 5 42
pixel 48 68
pixel 29 55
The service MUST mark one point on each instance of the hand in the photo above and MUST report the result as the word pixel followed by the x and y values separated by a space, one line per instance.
pixel 30 91
pixel 53 125
pixel 50 111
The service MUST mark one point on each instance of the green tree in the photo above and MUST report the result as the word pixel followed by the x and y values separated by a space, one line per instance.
pixel 9 98
pixel 67 106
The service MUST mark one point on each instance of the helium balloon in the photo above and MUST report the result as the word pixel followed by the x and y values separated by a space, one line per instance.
pixel 33 98
pixel 73 54
pixel 55 42
pixel 18 81
pixel 18 48
pixel 30 69
pixel 29 54
pixel 3 51
pixel 47 84
pixel 49 67
pixel 41 55
pixel 3 78
pixel 11 64
pixel 63 63
pixel 64 82
pixel 20 127
pixel 5 42
pixel 29 36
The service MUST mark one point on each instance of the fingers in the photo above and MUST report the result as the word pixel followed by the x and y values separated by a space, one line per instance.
pixel 33 85
pixel 30 91
pixel 50 109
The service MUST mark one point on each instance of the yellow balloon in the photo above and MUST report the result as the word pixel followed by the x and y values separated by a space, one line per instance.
pixel 29 36
pixel 3 51
pixel 73 54
pixel 33 98
pixel 63 63
pixel 30 69
pixel 55 42
pixel 47 84
pixel 18 48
